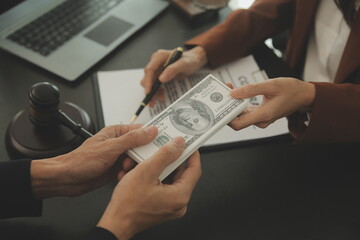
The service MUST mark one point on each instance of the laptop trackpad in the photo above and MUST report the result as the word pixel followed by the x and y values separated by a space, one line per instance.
pixel 108 31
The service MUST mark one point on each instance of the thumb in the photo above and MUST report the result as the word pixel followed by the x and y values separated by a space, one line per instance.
pixel 172 71
pixel 134 138
pixel 148 81
pixel 251 90
pixel 166 155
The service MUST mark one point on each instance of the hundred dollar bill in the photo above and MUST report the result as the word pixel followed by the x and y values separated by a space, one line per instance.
pixel 196 116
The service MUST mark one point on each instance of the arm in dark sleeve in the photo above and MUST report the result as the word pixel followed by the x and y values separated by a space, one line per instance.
pixel 16 198
pixel 244 29
pixel 335 116
pixel 99 233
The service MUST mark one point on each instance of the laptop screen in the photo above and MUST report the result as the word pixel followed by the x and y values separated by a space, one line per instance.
pixel 8 4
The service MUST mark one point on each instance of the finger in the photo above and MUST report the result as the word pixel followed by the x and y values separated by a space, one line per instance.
pixel 120 175
pixel 178 70
pixel 229 85
pixel 133 139
pixel 115 131
pixel 152 102
pixel 171 71
pixel 248 119
pixel 142 82
pixel 192 173
pixel 161 95
pixel 252 90
pixel 148 80
pixel 166 155
pixel 175 174
pixel 115 169
pixel 237 124
pixel 264 124
pixel 153 68
pixel 128 164
pixel 179 171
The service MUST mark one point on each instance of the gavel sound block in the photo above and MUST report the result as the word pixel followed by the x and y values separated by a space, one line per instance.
pixel 47 127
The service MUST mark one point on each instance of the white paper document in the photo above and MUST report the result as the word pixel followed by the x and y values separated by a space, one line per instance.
pixel 121 93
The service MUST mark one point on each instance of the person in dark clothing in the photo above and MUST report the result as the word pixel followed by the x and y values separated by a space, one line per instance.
pixel 139 200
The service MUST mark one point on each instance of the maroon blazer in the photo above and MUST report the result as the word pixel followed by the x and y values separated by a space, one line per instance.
pixel 335 115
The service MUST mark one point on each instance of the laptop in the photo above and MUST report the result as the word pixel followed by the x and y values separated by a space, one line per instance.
pixel 67 37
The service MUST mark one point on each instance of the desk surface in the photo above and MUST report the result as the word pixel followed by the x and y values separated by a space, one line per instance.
pixel 266 191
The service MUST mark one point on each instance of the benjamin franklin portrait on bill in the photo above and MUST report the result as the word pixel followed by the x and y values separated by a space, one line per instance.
pixel 192 117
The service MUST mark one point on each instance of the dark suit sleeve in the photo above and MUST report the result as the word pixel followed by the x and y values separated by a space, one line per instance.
pixel 99 233
pixel 15 190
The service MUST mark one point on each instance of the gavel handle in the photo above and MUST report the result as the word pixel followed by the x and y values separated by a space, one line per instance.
pixel 69 123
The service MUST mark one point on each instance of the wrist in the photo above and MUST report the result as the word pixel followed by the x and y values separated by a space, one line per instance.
pixel 112 221
pixel 201 53
pixel 46 177
pixel 309 96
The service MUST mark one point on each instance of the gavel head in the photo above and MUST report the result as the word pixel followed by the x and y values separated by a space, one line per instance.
pixel 44 103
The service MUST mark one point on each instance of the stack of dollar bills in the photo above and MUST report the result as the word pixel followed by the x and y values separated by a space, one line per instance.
pixel 196 116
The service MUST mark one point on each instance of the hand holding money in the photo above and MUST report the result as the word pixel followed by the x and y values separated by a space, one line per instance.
pixel 282 97
pixel 140 201
pixel 196 116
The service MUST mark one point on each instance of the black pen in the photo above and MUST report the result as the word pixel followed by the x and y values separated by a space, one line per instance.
pixel 174 56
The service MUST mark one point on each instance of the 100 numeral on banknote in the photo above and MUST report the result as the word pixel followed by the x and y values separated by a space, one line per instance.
pixel 196 116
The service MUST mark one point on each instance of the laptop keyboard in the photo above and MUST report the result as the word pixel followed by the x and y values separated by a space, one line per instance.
pixel 53 29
